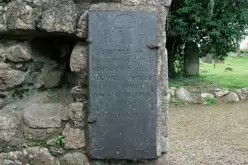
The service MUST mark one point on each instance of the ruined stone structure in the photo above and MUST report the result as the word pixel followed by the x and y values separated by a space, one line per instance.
pixel 44 80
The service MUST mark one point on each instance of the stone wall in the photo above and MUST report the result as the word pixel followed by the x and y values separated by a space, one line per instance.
pixel 43 79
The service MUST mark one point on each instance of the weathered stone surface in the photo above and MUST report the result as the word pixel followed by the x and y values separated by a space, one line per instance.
pixel 53 78
pixel 162 72
pixel 20 16
pixel 10 78
pixel 18 53
pixel 74 159
pixel 43 115
pixel 39 134
pixel 238 91
pixel 221 93
pixel 76 113
pixel 185 95
pixel 60 18
pixel 172 92
pixel 82 27
pixel 131 84
pixel 75 137
pixel 2 53
pixel 9 129
pixel 4 65
pixel 31 156
pixel 79 58
pixel 207 96
pixel 79 94
pixel 147 2
pixel 191 60
pixel 245 91
pixel 232 97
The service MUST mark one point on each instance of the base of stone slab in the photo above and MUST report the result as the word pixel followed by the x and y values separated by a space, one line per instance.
pixel 162 160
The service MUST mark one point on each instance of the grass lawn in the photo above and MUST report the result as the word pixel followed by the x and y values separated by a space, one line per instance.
pixel 218 76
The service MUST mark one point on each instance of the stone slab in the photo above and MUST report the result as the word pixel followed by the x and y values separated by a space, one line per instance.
pixel 123 85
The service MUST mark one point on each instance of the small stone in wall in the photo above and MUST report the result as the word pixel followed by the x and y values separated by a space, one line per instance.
pixel 231 97
pixel 18 53
pixel 10 78
pixel 82 27
pixel 75 138
pixel 74 159
pixel 79 94
pixel 79 58
pixel 43 115
pixel 221 93
pixel 29 156
pixel 76 113
pixel 9 129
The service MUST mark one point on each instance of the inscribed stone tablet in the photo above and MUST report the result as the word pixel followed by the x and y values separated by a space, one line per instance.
pixel 123 85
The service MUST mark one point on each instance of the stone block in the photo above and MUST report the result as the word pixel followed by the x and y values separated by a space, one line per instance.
pixel 76 113
pixel 31 156
pixel 82 26
pixel 75 138
pixel 74 159
pixel 162 74
pixel 18 53
pixel 20 16
pixel 43 115
pixel 79 58
pixel 60 18
pixel 10 78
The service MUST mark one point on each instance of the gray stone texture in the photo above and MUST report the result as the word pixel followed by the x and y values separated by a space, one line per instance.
pixel 75 138
pixel 60 18
pixel 76 113
pixel 162 85
pixel 10 78
pixel 43 115
pixel 79 58
pixel 18 53
pixel 74 159
pixel 31 156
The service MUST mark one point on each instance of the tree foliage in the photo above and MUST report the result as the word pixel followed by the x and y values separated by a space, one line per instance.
pixel 215 25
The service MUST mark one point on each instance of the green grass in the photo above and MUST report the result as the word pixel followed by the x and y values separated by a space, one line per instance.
pixel 234 78
pixel 231 75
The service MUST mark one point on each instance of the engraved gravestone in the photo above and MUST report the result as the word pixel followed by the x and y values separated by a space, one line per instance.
pixel 123 85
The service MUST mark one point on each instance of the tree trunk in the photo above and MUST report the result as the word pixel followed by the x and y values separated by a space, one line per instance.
pixel 238 53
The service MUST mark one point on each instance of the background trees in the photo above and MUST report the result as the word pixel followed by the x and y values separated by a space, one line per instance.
pixel 216 26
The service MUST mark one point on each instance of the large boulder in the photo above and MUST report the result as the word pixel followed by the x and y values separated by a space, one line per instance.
pixel 31 156
pixel 221 93
pixel 186 96
pixel 10 78
pixel 43 115
pixel 231 97
pixel 74 159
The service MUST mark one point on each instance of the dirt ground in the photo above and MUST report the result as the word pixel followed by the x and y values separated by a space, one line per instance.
pixel 208 135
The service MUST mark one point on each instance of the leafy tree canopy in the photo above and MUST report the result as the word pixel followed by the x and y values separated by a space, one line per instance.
pixel 215 25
